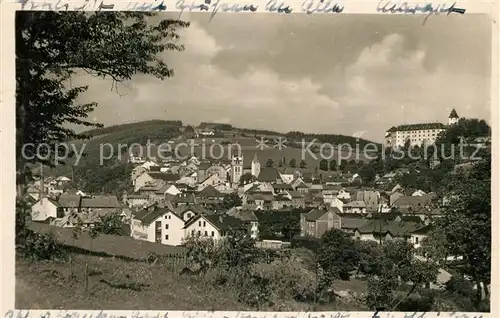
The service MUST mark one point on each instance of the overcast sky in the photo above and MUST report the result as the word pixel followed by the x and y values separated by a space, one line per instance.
pixel 345 74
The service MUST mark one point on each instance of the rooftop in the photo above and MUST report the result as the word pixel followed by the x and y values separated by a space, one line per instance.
pixel 426 126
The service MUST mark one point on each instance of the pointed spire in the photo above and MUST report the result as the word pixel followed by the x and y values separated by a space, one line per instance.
pixel 453 114
pixel 255 159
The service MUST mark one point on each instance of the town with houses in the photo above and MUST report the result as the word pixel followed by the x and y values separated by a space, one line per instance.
pixel 175 199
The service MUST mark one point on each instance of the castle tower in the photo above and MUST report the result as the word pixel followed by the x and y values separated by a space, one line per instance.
pixel 255 166
pixel 236 167
pixel 453 118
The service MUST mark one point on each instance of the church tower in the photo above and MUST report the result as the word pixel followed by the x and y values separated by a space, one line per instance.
pixel 453 118
pixel 236 167
pixel 255 166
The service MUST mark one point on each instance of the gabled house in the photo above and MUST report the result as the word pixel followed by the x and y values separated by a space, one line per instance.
pixel 393 196
pixel 418 193
pixel 150 177
pixel 354 207
pixel 344 195
pixel 412 203
pixel 269 174
pixel 287 177
pixel 379 230
pixel 187 212
pixel 337 203
pixel 263 200
pixel 249 218
pixel 370 198
pixel 202 169
pixel 46 208
pixel 318 221
pixel 185 199
pixel 217 170
pixel 148 164
pixel 210 195
pixel 189 178
pixel 281 187
pixel 298 200
pixel 160 225
pixel 351 223
pixel 214 226
pixel 330 192
pixel 281 201
pixel 418 235
pixel 212 180
pixel 302 187
pixel 151 188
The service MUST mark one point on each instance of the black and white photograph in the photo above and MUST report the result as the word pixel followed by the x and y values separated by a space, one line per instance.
pixel 252 161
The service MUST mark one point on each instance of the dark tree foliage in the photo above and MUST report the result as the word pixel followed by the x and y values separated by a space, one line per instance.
pixel 467 224
pixel 303 164
pixel 323 165
pixel 269 162
pixel 110 224
pixel 333 165
pixel 51 47
pixel 338 255
pixel 247 178
pixel 231 200
pixel 279 224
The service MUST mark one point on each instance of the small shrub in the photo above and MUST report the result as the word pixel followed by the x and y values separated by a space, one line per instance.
pixel 287 280
pixel 38 246
pixel 460 285
pixel 421 301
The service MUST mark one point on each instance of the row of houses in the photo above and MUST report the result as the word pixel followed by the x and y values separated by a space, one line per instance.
pixel 372 227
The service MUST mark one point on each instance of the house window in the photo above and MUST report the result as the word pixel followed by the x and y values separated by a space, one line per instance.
pixel 166 237
pixel 192 232
pixel 199 223
pixel 199 233
pixel 416 240
pixel 204 224
pixel 188 215
pixel 213 233
pixel 206 233
pixel 166 226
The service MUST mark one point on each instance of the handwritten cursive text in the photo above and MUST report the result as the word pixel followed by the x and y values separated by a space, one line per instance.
pixel 321 6
pixel 429 8
pixel 214 7
pixel 279 7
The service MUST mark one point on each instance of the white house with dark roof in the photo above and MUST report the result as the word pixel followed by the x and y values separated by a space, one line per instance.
pixel 46 208
pixel 187 212
pixel 214 226
pixel 159 225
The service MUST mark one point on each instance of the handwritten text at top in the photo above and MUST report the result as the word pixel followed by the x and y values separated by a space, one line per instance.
pixel 388 6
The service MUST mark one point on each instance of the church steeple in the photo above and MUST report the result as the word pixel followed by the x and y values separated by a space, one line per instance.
pixel 255 159
pixel 453 118
pixel 255 165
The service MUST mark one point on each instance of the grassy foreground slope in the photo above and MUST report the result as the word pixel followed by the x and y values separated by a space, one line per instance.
pixel 114 285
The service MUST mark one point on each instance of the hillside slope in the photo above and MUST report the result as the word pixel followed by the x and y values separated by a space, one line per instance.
pixel 103 168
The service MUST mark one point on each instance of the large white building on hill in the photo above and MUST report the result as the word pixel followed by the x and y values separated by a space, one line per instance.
pixel 417 134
